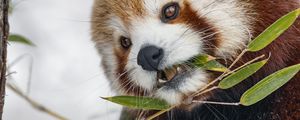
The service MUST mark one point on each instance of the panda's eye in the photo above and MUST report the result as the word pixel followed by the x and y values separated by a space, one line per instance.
pixel 170 11
pixel 125 42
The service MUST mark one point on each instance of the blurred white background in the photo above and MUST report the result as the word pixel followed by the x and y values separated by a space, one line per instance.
pixel 66 76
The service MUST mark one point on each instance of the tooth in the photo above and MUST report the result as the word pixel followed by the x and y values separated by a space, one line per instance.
pixel 179 69
pixel 161 81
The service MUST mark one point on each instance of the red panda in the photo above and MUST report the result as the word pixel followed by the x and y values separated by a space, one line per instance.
pixel 138 39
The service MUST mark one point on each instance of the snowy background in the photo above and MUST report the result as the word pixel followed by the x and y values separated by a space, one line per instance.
pixel 66 76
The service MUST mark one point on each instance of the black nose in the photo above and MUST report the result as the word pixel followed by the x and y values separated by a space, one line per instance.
pixel 149 57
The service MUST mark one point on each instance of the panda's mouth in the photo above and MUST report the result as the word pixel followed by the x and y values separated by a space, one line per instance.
pixel 169 75
pixel 179 81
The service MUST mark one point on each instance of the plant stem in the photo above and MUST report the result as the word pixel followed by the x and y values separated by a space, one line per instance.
pixel 238 58
pixel 159 113
pixel 248 63
pixel 206 87
pixel 217 103
pixel 208 90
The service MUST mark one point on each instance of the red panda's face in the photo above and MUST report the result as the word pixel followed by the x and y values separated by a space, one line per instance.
pixel 140 39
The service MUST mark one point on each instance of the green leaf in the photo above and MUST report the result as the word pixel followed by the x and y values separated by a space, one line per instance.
pixel 269 85
pixel 214 66
pixel 20 39
pixel 208 63
pixel 237 77
pixel 137 102
pixel 202 59
pixel 274 31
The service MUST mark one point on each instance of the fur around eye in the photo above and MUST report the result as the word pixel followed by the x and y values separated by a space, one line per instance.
pixel 170 12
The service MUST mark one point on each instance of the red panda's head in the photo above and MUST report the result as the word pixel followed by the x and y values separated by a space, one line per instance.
pixel 140 38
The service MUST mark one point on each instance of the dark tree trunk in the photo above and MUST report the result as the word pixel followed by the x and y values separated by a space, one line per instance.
pixel 4 32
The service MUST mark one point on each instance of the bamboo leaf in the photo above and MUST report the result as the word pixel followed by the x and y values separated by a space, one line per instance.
pixel 20 39
pixel 137 102
pixel 274 31
pixel 208 63
pixel 202 59
pixel 268 85
pixel 237 77
pixel 214 66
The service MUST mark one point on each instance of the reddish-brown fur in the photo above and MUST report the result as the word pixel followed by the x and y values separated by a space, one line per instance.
pixel 134 8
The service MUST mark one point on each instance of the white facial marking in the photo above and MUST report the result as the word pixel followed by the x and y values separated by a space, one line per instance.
pixel 229 17
pixel 178 42
pixel 171 96
pixel 194 83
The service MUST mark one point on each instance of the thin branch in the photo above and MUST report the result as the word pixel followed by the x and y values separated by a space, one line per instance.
pixel 207 86
pixel 160 112
pixel 33 103
pixel 208 90
pixel 30 69
pixel 217 103
pixel 18 59
pixel 248 63
pixel 11 73
pixel 238 58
